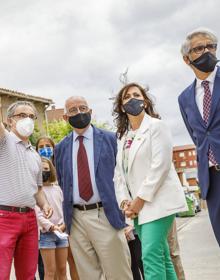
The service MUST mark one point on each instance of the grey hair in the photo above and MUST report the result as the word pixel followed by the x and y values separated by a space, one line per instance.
pixel 185 48
pixel 15 105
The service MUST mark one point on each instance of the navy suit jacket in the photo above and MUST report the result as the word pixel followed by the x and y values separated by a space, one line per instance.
pixel 203 136
pixel 105 149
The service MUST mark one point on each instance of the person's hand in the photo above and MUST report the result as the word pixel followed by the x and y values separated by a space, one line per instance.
pixel 62 227
pixel 58 228
pixel 47 210
pixel 128 232
pixel 134 208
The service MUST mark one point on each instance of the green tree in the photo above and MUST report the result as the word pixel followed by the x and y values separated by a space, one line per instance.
pixel 57 130
pixel 35 135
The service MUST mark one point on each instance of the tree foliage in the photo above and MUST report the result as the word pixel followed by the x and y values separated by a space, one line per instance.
pixel 57 130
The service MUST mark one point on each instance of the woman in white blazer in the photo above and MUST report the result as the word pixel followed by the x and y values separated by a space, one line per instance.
pixel 146 184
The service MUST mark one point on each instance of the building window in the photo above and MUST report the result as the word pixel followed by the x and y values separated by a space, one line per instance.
pixel 183 163
pixel 181 154
pixel 190 153
pixel 194 153
pixel 191 162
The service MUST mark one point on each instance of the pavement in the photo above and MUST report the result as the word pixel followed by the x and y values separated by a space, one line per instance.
pixel 200 252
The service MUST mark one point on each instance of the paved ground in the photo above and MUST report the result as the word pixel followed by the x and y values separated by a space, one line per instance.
pixel 199 250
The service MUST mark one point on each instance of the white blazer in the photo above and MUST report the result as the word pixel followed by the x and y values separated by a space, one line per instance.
pixel 151 174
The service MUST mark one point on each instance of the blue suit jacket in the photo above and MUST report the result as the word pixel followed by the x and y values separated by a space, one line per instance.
pixel 203 136
pixel 105 149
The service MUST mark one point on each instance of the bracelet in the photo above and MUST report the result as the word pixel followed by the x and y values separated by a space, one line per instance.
pixel 123 204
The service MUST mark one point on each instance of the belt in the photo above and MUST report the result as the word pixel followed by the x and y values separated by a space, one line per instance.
pixel 215 167
pixel 88 207
pixel 16 209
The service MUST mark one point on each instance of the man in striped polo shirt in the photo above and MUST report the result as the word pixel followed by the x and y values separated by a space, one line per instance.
pixel 20 190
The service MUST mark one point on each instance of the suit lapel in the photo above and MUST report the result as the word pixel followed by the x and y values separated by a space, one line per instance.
pixel 120 145
pixel 69 155
pixel 192 94
pixel 215 95
pixel 138 140
pixel 97 142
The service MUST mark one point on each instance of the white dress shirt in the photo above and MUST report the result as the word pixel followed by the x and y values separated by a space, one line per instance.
pixel 89 146
pixel 200 89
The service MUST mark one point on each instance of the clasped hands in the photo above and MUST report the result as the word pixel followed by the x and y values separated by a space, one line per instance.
pixel 132 208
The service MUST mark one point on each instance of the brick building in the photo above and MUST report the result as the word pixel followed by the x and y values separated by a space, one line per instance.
pixel 54 114
pixel 184 159
pixel 8 97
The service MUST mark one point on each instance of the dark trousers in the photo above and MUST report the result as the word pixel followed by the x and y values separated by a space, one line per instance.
pixel 136 261
pixel 213 201
pixel 40 267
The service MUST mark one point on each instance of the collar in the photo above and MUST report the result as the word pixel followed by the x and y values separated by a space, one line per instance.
pixel 88 134
pixel 18 140
pixel 210 78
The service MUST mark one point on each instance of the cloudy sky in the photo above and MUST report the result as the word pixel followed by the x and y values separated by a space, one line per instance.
pixel 56 49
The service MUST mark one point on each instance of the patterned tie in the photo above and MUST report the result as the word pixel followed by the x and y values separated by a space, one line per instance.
pixel 206 113
pixel 84 179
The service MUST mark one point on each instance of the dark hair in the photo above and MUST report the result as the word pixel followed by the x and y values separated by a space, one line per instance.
pixel 53 177
pixel 120 117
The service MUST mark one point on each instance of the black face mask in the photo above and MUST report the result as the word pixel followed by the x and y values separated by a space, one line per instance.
pixel 134 106
pixel 206 62
pixel 46 175
pixel 80 120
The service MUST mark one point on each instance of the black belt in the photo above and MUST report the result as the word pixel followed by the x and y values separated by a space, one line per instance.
pixel 215 167
pixel 88 207
pixel 16 209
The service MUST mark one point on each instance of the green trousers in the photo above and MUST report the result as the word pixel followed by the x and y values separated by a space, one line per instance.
pixel 155 249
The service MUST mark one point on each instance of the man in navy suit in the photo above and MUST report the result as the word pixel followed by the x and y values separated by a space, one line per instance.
pixel 200 107
pixel 85 162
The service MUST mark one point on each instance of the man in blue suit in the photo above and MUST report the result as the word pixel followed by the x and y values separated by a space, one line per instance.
pixel 85 162
pixel 200 107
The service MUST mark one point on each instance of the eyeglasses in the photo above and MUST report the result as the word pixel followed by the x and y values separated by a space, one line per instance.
pixel 75 110
pixel 24 116
pixel 201 49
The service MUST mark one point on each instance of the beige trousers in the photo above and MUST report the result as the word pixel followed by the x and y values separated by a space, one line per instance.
pixel 175 252
pixel 100 251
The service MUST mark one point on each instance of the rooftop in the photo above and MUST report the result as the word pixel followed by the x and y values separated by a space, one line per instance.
pixel 184 148
pixel 4 91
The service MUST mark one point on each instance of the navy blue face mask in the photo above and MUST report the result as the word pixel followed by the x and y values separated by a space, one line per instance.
pixel 134 106
pixel 206 62
pixel 80 120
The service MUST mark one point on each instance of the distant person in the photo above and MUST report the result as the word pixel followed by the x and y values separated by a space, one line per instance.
pixel 54 249
pixel 45 147
pixel 200 108
pixel 85 162
pixel 146 184
pixel 21 189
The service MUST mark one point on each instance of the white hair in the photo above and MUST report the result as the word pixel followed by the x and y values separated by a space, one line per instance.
pixel 13 107
pixel 185 48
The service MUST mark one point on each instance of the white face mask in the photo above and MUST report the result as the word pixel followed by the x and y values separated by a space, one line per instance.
pixel 25 127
